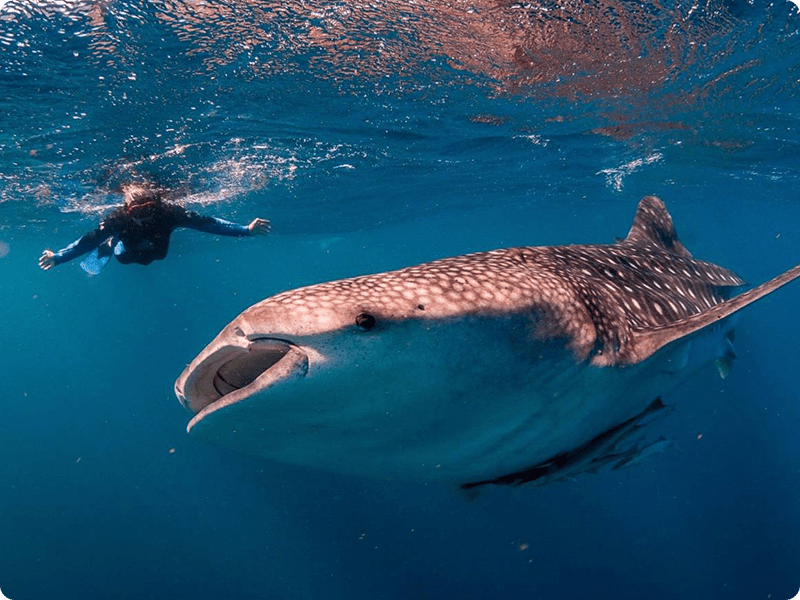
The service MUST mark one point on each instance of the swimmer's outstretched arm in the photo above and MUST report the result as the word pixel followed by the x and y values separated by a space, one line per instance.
pixel 85 244
pixel 222 227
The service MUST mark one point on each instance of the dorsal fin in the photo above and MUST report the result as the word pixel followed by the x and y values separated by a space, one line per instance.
pixel 652 226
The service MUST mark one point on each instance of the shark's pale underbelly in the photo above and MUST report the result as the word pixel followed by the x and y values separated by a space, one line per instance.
pixel 479 428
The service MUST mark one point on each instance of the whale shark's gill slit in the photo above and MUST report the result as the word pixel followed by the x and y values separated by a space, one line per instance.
pixel 246 366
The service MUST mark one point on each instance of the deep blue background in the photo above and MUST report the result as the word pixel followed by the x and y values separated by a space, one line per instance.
pixel 358 177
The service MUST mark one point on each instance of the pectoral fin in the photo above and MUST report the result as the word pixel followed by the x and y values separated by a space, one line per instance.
pixel 647 342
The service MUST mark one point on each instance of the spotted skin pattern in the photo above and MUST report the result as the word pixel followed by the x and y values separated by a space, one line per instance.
pixel 597 297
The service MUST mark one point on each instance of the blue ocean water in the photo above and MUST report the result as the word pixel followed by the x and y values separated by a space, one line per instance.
pixel 377 135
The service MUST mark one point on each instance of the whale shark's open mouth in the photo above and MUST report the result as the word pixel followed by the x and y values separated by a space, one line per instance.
pixel 225 375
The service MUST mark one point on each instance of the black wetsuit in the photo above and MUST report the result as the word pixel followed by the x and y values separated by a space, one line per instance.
pixel 144 231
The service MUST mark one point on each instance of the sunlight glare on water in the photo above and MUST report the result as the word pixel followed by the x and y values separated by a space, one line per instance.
pixel 255 99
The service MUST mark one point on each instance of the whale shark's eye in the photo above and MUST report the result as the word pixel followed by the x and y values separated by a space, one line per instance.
pixel 366 321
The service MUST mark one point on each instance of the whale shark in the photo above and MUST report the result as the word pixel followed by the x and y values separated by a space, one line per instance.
pixel 519 365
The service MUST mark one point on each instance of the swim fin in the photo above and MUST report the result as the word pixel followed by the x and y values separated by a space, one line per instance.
pixel 94 263
pixel 99 257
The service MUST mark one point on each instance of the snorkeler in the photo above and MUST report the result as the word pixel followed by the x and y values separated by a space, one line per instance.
pixel 139 232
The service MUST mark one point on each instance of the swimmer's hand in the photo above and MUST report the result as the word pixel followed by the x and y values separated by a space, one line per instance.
pixel 46 260
pixel 258 227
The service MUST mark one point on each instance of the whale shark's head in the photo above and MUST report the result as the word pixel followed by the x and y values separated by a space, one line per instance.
pixel 317 375
pixel 365 322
